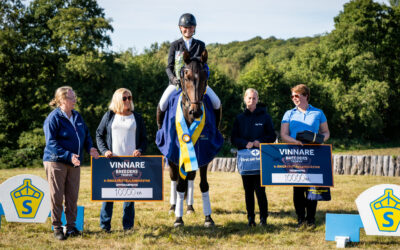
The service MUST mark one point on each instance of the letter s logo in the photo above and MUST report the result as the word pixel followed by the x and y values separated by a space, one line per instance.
pixel 388 219
pixel 26 204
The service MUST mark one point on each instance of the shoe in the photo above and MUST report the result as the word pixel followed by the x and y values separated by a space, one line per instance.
pixel 179 222
pixel 300 224
pixel 73 232
pixel 208 222
pixel 59 235
pixel 190 209
pixel 106 230
pixel 311 225
pixel 251 223
pixel 172 209
pixel 128 230
pixel 263 222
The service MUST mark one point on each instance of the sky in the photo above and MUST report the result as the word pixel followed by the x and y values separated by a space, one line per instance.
pixel 139 23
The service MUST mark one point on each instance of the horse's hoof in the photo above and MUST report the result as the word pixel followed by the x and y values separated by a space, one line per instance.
pixel 171 209
pixel 209 221
pixel 178 222
pixel 190 209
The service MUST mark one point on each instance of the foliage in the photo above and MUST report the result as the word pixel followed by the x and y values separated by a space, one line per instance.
pixel 353 72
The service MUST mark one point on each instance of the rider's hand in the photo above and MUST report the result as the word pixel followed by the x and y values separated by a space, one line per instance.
pixel 176 81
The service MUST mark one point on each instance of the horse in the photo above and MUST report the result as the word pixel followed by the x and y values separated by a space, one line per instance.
pixel 196 111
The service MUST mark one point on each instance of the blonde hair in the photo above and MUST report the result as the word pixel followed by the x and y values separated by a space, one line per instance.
pixel 60 94
pixel 117 105
pixel 250 90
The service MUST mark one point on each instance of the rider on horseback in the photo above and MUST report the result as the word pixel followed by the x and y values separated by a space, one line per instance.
pixel 187 25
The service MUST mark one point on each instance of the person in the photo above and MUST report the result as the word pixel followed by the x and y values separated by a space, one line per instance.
pixel 187 26
pixel 66 137
pixel 300 118
pixel 121 132
pixel 252 127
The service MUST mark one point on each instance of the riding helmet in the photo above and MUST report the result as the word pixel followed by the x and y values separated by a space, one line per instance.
pixel 187 20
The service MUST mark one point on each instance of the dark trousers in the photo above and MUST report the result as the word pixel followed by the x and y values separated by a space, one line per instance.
pixel 251 184
pixel 305 209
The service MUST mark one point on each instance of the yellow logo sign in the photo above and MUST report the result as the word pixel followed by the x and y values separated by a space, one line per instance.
pixel 386 210
pixel 27 199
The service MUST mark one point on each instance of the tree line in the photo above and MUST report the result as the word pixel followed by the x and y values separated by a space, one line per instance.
pixel 353 72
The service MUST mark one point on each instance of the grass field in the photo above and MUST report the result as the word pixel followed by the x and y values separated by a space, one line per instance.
pixel 154 230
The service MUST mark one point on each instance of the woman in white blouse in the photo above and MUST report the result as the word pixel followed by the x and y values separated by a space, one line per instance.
pixel 121 132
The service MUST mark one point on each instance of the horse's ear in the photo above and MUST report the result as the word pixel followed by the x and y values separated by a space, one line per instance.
pixel 204 56
pixel 186 56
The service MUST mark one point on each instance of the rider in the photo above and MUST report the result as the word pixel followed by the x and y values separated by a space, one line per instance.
pixel 187 25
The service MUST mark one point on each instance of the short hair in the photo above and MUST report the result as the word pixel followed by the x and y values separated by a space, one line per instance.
pixel 59 95
pixel 301 89
pixel 250 90
pixel 117 105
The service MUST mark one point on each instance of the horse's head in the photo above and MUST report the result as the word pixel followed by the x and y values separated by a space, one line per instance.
pixel 194 83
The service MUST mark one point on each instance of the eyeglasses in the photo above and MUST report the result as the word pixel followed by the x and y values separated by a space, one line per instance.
pixel 295 96
pixel 124 98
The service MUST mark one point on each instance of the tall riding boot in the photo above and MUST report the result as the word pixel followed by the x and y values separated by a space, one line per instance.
pixel 160 117
pixel 218 116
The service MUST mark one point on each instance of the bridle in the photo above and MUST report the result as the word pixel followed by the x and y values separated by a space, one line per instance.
pixel 196 82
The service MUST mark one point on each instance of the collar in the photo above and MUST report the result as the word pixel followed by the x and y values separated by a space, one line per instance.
pixel 188 42
pixel 310 107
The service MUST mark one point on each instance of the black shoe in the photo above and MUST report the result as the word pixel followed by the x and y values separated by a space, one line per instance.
pixel 300 223
pixel 190 209
pixel 106 230
pixel 73 232
pixel 59 235
pixel 251 223
pixel 172 209
pixel 178 222
pixel 209 221
pixel 311 225
pixel 263 222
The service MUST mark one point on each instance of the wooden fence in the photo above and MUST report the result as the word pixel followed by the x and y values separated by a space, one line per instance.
pixel 380 165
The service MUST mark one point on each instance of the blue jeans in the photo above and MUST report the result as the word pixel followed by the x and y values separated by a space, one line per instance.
pixel 128 217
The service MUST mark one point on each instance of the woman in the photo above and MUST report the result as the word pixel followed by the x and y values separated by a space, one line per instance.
pixel 303 117
pixel 121 132
pixel 66 136
pixel 252 127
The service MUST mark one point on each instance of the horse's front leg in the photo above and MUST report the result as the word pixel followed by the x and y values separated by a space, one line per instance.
pixel 173 174
pixel 190 192
pixel 181 188
pixel 205 197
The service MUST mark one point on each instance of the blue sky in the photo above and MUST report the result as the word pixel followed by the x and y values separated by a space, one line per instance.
pixel 140 23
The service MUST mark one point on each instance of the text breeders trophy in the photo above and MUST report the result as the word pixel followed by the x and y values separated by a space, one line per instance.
pixel 127 178
pixel 295 165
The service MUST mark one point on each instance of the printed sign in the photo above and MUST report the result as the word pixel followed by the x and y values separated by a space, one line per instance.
pixel 379 208
pixel 296 165
pixel 127 178
pixel 25 198
pixel 248 161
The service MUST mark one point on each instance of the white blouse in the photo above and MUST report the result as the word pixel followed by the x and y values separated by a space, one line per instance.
pixel 123 134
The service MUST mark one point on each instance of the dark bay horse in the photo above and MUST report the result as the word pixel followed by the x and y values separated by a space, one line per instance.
pixel 195 108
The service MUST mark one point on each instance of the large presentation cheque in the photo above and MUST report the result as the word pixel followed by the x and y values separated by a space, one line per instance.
pixel 295 165
pixel 127 178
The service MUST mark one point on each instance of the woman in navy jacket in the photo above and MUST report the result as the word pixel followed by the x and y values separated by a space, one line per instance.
pixel 66 136
pixel 252 127
pixel 121 132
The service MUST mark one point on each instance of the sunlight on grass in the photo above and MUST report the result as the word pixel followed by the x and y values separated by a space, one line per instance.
pixel 153 226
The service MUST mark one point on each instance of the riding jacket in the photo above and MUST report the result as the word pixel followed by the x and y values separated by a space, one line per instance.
pixel 251 126
pixel 175 56
pixel 64 138
pixel 104 132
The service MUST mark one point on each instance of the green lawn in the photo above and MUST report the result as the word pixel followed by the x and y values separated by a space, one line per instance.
pixel 153 225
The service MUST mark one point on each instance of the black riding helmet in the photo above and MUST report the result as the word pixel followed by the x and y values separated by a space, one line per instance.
pixel 187 20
